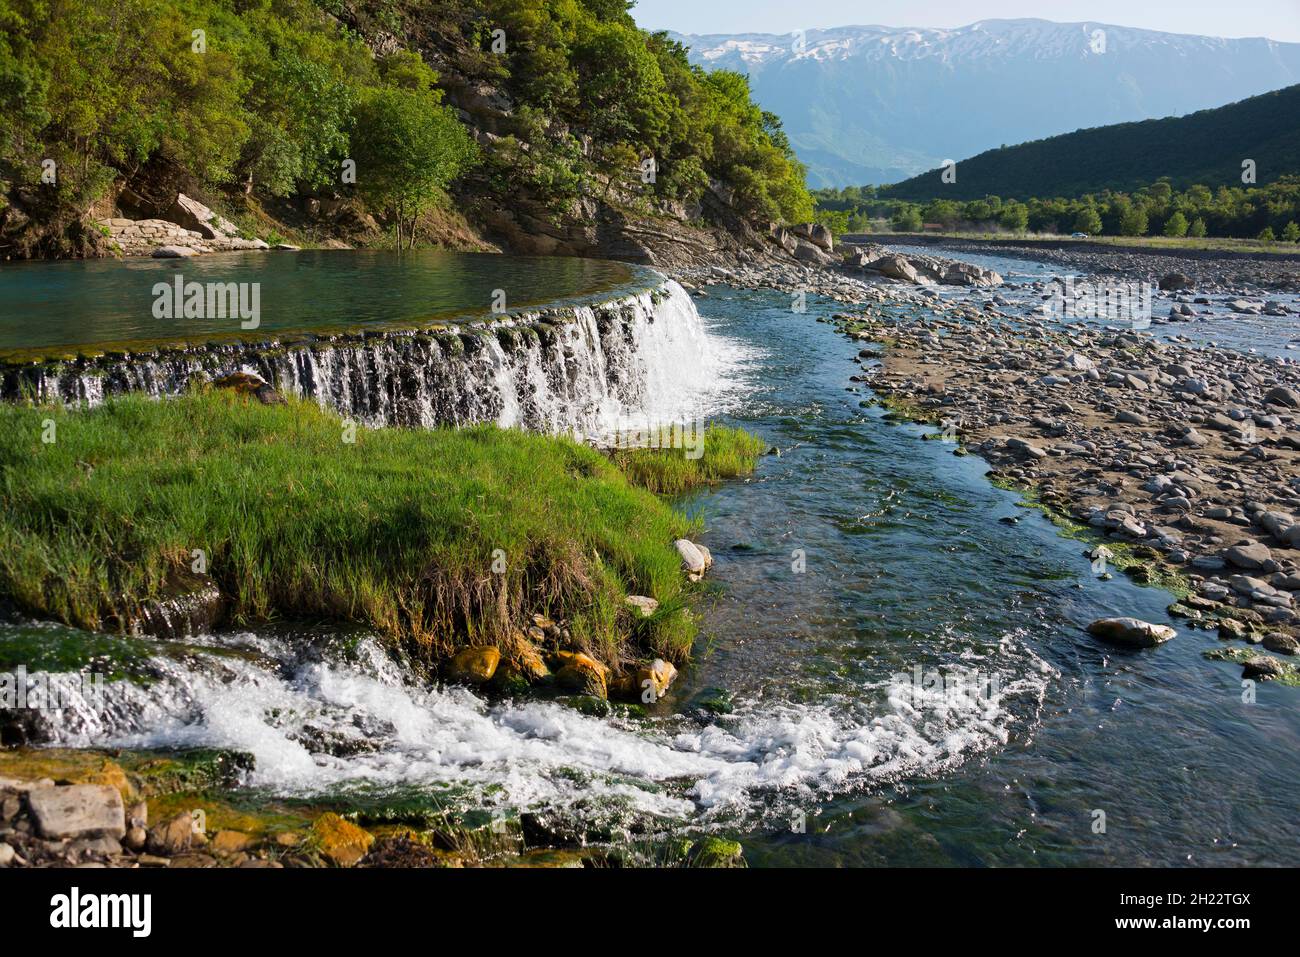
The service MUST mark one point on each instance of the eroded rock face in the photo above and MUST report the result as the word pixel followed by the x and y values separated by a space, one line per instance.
pixel 193 215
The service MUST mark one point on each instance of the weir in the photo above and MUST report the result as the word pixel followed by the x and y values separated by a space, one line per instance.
pixel 570 368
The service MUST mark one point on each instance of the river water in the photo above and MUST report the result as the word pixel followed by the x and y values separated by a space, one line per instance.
pixel 857 555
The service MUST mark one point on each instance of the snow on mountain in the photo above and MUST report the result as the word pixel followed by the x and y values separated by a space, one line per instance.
pixel 867 104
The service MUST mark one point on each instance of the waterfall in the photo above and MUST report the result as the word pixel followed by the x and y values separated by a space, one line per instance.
pixel 578 369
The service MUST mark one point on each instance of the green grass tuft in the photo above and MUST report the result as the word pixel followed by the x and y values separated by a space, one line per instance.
pixel 726 453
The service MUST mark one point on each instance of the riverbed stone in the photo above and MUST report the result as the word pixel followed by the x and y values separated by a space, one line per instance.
pixel 1132 632
pixel 339 840
pixel 1281 642
pixel 1248 555
pixel 474 665
pixel 1262 667
pixel 77 810
pixel 173 836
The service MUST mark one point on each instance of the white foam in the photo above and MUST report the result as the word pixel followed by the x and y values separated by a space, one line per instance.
pixel 530 753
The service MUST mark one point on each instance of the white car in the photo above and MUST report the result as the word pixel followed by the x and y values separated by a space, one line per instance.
pixel 1078 235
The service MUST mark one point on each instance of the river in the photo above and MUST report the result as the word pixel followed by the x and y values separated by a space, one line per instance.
pixel 858 554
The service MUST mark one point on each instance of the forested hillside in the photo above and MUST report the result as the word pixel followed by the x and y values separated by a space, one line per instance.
pixel 546 125
pixel 1206 148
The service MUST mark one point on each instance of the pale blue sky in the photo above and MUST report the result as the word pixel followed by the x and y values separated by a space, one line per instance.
pixel 1277 19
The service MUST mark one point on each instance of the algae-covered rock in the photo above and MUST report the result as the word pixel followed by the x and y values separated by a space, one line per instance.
pixel 714 701
pixel 590 705
pixel 715 852
pixel 339 840
pixel 581 674
pixel 647 683
pixel 66 766
pixel 475 665
pixel 524 660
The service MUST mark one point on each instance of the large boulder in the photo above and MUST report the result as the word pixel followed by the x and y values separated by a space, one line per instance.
pixel 806 252
pixel 695 558
pixel 966 274
pixel 192 214
pixel 895 267
pixel 1247 555
pixel 1131 632
pixel 821 236
pixel 474 665
pixel 1281 395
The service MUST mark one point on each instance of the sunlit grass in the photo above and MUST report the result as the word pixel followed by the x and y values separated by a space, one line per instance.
pixel 437 538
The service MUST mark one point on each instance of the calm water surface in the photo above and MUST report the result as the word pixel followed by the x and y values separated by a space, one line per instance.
pixel 70 304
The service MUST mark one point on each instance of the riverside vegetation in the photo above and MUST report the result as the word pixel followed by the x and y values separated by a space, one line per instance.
pixel 452 111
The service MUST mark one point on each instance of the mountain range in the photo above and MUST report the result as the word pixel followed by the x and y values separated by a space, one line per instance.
pixel 875 104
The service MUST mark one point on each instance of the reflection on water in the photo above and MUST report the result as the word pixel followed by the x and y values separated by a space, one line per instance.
pixel 109 301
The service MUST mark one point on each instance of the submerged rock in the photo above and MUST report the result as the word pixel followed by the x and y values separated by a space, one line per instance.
pixel 1132 632
pixel 715 852
pixel 1263 667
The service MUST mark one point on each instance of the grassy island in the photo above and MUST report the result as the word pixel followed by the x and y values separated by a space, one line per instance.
pixel 440 539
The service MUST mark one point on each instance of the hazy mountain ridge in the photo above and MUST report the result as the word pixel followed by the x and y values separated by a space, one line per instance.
pixel 873 104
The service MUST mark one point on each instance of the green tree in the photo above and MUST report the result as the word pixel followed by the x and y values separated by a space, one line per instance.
pixel 1176 225
pixel 407 148
pixel 1197 229
pixel 1291 232
pixel 1015 217
pixel 1133 221
pixel 907 219
pixel 1267 235
pixel 1088 221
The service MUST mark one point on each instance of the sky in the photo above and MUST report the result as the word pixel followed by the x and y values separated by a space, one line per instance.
pixel 1276 19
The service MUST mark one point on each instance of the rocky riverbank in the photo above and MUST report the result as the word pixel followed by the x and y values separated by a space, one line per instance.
pixel 1210 271
pixel 125 809
pixel 1177 462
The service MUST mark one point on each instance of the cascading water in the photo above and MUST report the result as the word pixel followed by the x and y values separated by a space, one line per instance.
pixel 569 369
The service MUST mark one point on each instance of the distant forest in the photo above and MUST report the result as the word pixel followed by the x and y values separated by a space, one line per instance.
pixel 1269 212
